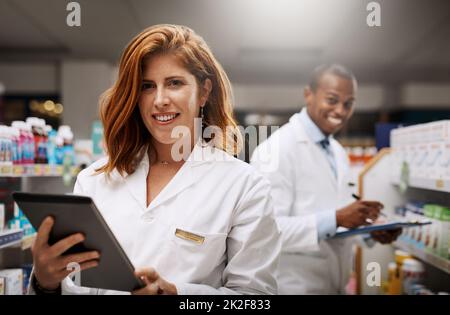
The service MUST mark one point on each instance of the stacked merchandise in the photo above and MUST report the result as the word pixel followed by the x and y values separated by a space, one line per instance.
pixel 34 142
pixel 421 155
pixel 406 276
pixel 433 238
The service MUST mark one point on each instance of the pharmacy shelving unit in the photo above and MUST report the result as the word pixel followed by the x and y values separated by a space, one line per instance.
pixel 33 170
pixel 15 238
pixel 41 178
pixel 376 183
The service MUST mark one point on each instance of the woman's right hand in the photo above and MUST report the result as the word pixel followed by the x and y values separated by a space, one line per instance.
pixel 50 266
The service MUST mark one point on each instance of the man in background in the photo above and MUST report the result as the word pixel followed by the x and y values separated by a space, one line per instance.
pixel 310 188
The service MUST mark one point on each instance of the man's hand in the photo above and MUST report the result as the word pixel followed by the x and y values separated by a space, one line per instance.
pixel 386 236
pixel 358 213
pixel 155 285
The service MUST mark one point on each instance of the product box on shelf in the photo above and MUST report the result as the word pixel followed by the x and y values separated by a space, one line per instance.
pixel 428 229
pixel 2 216
pixel 424 150
pixel 13 281
pixel 444 233
pixel 2 286
pixel 435 229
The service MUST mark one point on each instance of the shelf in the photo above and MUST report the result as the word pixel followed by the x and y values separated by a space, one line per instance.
pixel 10 238
pixel 34 170
pixel 15 238
pixel 431 184
pixel 432 259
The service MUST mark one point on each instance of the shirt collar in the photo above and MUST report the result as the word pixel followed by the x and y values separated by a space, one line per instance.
pixel 310 127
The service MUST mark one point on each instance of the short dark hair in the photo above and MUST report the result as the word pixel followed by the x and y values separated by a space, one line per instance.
pixel 334 68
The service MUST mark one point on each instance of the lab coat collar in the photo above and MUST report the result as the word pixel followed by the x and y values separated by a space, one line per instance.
pixel 203 154
pixel 303 137
pixel 313 131
pixel 306 129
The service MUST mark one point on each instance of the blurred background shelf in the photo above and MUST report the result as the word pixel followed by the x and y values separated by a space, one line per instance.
pixel 10 238
pixel 35 170
pixel 434 260
pixel 15 238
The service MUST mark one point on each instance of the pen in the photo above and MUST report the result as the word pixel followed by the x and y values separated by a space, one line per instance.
pixel 359 198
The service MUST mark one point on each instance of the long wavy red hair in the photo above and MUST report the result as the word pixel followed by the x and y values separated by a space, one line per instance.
pixel 125 134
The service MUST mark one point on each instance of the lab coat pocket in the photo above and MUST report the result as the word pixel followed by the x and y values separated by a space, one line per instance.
pixel 195 254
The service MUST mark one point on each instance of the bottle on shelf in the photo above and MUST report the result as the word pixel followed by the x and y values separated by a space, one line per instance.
pixel 5 146
pixel 42 149
pixel 51 145
pixel 68 151
pixel 16 149
pixel 36 130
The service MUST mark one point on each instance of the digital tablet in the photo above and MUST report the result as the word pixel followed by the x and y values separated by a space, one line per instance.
pixel 78 214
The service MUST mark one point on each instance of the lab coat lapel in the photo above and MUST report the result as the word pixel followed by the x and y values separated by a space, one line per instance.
pixel 340 164
pixel 317 156
pixel 136 183
pixel 198 163
pixel 323 164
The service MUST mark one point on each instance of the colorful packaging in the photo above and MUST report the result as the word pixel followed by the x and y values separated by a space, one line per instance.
pixel 428 229
pixel 51 145
pixel 436 240
pixel 5 146
pixel 394 282
pixel 23 147
pixel 444 237
pixel 412 272
pixel 16 149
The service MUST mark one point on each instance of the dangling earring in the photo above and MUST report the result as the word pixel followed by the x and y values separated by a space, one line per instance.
pixel 202 117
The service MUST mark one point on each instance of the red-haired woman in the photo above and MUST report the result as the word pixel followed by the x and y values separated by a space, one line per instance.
pixel 192 218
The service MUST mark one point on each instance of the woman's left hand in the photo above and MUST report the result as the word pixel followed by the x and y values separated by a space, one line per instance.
pixel 155 285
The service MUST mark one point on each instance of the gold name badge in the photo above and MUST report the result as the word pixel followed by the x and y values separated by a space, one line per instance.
pixel 189 236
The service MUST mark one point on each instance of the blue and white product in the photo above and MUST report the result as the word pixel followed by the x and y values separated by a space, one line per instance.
pixel 51 145
pixel 5 145
pixel 68 151
pixel 27 268
pixel 20 126
pixel 13 281
pixel 10 236
pixel 16 149
pixel 59 150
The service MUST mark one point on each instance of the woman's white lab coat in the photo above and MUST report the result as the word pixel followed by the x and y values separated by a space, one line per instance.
pixel 214 196
pixel 303 184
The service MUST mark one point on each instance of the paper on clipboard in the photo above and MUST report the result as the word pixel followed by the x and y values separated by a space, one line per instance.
pixel 379 227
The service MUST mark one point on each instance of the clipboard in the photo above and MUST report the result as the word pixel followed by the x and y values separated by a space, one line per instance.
pixel 380 227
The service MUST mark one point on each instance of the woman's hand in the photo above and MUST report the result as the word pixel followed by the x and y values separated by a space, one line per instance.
pixel 50 267
pixel 155 285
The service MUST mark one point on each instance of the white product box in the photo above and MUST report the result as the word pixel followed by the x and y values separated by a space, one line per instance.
pixel 444 164
pixel 13 281
pixel 2 216
pixel 2 286
pixel 436 150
